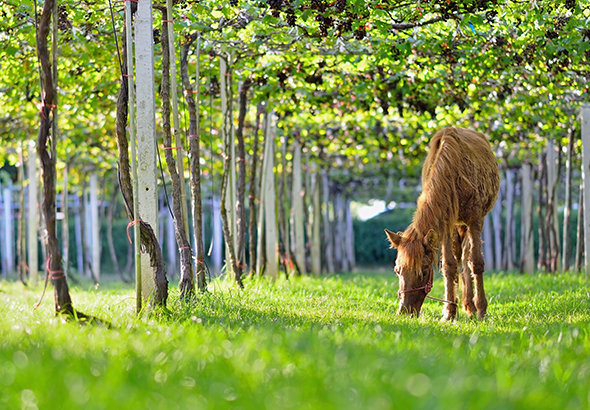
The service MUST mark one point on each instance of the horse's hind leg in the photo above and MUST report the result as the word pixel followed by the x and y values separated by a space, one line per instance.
pixel 450 274
pixel 477 264
pixel 466 274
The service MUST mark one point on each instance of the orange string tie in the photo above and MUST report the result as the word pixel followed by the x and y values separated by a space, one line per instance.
pixel 241 159
pixel 55 274
pixel 132 223
pixel 201 261
pixel 194 136
pixel 191 92
pixel 127 75
pixel 172 147
pixel 168 21
pixel 184 247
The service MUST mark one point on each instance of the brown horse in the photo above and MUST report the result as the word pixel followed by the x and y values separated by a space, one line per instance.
pixel 460 181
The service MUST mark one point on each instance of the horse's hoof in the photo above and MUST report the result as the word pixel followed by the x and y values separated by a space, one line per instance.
pixel 449 313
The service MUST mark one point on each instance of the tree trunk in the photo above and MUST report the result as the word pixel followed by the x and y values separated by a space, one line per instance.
pixel 567 209
pixel 315 222
pixel 527 251
pixel 543 242
pixel 252 196
pixel 149 240
pixel 65 226
pixel 497 222
pixel 110 216
pixel 194 134
pixel 282 204
pixel 328 242
pixel 297 214
pixel 240 205
pixel 33 216
pixel 349 238
pixel 508 238
pixel 94 228
pixel 187 282
pixel 488 241
pixel 228 212
pixel 22 237
pixel 580 231
pixel 551 222
pixel 586 178
pixel 63 301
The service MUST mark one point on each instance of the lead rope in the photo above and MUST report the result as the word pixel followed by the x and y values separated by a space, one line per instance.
pixel 427 288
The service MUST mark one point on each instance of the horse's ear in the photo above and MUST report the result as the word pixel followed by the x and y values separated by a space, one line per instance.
pixel 431 239
pixel 394 238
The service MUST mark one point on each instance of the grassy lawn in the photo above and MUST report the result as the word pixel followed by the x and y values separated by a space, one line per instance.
pixel 330 343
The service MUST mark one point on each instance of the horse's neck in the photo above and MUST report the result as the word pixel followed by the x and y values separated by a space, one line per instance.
pixel 430 216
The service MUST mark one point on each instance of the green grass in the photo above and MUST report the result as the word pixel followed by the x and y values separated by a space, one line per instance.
pixel 332 343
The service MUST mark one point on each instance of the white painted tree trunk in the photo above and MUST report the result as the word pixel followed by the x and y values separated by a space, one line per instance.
pixel 171 245
pixel 270 224
pixel 315 221
pixel 260 239
pixel 65 231
pixel 146 133
pixel 297 214
pixel 8 227
pixel 327 224
pixel 497 223
pixel 95 227
pixel 217 240
pixel 527 251
pixel 508 238
pixel 227 134
pixel 586 179
pixel 349 237
pixel 488 242
pixel 268 240
pixel 341 262
pixel 33 219
pixel 565 248
pixel 79 239
pixel 553 224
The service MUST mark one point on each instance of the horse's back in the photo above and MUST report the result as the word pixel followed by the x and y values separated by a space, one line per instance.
pixel 468 156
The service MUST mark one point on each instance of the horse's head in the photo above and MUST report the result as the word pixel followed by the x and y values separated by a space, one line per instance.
pixel 414 268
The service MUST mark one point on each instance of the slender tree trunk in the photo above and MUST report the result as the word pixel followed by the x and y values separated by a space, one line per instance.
pixel 63 301
pixel 349 238
pixel 542 262
pixel 283 202
pixel 508 238
pixel 109 233
pixel 148 237
pixel 254 183
pixel 195 157
pixel 315 222
pixel 567 209
pixel 240 205
pixel 527 251
pixel 497 222
pixel 488 241
pixel 580 230
pixel 551 222
pixel 228 213
pixel 327 224
pixel 297 214
pixel 187 282
pixel 22 237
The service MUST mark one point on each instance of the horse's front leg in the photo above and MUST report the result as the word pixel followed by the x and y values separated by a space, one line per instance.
pixel 449 270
